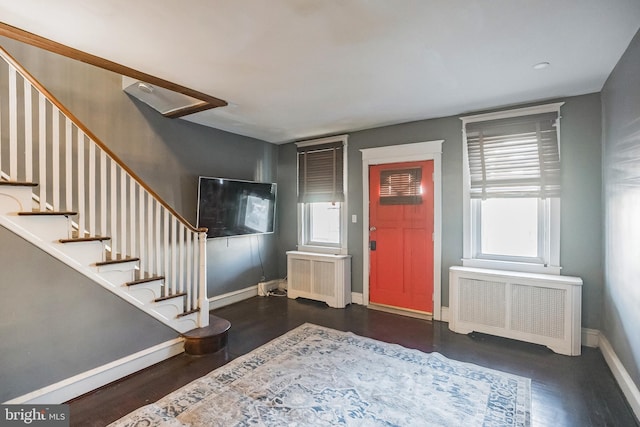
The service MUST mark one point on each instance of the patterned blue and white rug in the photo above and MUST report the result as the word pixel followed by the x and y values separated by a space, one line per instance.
pixel 315 376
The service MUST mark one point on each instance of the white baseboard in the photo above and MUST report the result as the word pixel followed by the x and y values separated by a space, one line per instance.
pixel 357 298
pixel 85 382
pixel 243 294
pixel 590 337
pixel 444 314
pixel 629 389
pixel 232 297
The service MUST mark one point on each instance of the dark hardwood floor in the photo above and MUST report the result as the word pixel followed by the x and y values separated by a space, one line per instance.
pixel 566 391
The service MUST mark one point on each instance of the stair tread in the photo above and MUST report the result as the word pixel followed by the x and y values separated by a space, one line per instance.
pixel 186 313
pixel 47 213
pixel 144 280
pixel 18 183
pixel 217 326
pixel 167 297
pixel 85 239
pixel 117 261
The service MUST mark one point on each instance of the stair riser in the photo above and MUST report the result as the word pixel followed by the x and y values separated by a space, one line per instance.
pixel 118 278
pixel 48 228
pixel 187 323
pixel 119 266
pixel 85 253
pixel 15 199
pixel 146 292
pixel 170 308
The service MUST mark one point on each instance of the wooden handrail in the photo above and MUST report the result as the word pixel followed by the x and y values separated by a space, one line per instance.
pixel 55 47
pixel 11 60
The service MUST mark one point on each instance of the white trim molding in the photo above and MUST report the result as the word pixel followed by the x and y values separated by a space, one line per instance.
pixel 444 314
pixel 356 298
pixel 516 112
pixel 85 382
pixel 419 151
pixel 233 297
pixel 629 388
pixel 590 337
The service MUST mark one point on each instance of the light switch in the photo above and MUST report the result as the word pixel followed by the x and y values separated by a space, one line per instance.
pixel 354 218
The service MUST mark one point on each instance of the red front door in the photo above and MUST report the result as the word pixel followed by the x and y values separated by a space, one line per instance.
pixel 401 235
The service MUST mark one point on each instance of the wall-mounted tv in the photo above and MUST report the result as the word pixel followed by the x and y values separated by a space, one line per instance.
pixel 229 207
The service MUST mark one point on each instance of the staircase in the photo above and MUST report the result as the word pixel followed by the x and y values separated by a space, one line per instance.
pixel 64 191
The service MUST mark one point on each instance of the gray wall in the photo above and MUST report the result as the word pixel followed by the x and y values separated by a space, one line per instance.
pixel 168 154
pixel 56 323
pixel 581 213
pixel 621 191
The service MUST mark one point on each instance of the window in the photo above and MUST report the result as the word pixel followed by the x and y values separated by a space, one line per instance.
pixel 321 195
pixel 512 189
pixel 401 187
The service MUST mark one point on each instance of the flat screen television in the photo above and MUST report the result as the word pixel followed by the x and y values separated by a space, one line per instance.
pixel 229 207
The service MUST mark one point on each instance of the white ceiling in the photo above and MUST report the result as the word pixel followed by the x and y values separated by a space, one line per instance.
pixel 296 69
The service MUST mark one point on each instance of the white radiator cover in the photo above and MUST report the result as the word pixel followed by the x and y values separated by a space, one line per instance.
pixel 538 308
pixel 321 277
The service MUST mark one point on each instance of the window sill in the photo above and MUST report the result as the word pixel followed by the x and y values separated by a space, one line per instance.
pixel 510 266
pixel 322 249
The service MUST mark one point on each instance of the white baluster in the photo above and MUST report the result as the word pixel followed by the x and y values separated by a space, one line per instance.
pixel 81 184
pixel 142 232
pixel 157 247
pixel 132 221
pixel 103 194
pixel 180 255
pixel 150 249
pixel 55 158
pixel 13 125
pixel 123 212
pixel 188 256
pixel 28 133
pixel 91 219
pixel 68 164
pixel 165 249
pixel 195 269
pixel 42 151
pixel 113 190
pixel 174 251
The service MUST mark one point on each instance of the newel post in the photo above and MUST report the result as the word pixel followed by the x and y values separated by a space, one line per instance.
pixel 203 300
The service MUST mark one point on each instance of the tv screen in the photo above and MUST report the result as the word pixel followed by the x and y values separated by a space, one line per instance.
pixel 229 207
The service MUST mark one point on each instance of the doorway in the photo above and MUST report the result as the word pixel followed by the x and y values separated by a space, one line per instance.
pixel 395 156
pixel 401 235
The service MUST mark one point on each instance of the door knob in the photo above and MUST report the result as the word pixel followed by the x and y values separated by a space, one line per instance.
pixel 372 229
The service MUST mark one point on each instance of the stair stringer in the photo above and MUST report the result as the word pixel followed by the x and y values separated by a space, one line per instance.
pixel 10 204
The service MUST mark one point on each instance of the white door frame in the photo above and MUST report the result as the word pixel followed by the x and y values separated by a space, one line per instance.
pixel 429 150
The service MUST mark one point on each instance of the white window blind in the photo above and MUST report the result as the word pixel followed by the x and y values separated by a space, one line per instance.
pixel 401 187
pixel 514 157
pixel 320 173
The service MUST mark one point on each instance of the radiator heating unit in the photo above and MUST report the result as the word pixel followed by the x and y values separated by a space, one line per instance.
pixel 321 277
pixel 538 308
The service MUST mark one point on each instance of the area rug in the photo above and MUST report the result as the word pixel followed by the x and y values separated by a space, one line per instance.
pixel 315 376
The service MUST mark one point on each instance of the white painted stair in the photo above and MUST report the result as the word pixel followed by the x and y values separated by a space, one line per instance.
pixel 90 210
pixel 54 233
